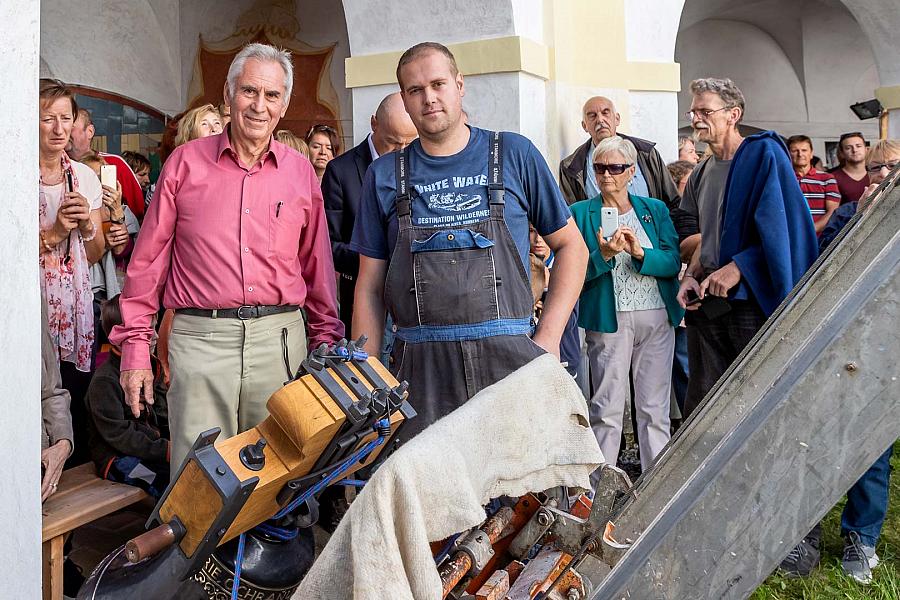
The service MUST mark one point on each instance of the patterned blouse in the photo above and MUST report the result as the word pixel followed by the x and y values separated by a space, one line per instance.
pixel 634 291
pixel 65 272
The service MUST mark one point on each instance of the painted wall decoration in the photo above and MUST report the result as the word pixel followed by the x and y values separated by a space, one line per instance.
pixel 313 99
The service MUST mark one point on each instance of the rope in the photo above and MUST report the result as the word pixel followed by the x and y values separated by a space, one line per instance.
pixel 238 559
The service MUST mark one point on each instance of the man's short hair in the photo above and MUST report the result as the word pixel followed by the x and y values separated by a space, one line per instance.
pixel 110 314
pixel 852 134
pixel 680 169
pixel 419 49
pixel 725 89
pixel 798 139
pixel 85 115
pixel 616 144
pixel 262 53
pixel 53 89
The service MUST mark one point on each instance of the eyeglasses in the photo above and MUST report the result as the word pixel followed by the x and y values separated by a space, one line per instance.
pixel 615 169
pixel 875 168
pixel 703 113
pixel 852 134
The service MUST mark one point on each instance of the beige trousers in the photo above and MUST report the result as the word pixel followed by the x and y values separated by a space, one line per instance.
pixel 225 370
pixel 645 344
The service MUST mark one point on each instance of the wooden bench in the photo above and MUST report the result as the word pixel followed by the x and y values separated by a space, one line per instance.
pixel 82 497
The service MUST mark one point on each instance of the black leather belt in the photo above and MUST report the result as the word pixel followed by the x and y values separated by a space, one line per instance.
pixel 242 312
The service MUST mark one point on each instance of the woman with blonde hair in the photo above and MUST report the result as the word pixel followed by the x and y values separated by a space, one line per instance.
pixel 288 138
pixel 199 122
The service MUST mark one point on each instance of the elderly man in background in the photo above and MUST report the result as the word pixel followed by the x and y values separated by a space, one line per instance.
pixel 753 246
pixel 236 242
pixel 392 130
pixel 576 172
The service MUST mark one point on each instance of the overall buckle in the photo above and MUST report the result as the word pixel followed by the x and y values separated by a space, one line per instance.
pixel 245 312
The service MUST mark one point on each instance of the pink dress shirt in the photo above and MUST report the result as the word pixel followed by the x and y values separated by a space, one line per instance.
pixel 220 235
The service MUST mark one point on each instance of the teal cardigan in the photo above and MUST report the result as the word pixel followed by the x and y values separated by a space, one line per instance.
pixel 597 309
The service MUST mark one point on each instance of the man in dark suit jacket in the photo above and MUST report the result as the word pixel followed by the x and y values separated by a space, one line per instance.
pixel 392 130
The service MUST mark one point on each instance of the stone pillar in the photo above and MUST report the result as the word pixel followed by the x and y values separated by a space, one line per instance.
pixel 20 406
pixel 889 96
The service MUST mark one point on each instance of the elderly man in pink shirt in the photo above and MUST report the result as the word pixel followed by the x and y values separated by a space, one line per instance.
pixel 236 242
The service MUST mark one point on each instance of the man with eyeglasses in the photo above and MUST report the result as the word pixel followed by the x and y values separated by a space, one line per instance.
pixel 756 235
pixel 851 175
pixel 600 121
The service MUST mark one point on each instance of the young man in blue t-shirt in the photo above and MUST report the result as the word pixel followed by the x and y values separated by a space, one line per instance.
pixel 443 243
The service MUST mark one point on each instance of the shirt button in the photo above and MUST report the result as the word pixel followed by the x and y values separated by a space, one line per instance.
pixel 247 210
pixel 250 289
pixel 246 249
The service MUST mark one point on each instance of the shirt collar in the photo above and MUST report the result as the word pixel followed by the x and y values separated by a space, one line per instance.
pixel 276 150
pixel 372 148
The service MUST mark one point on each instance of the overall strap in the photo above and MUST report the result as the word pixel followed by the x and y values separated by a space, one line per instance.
pixel 495 174
pixel 401 171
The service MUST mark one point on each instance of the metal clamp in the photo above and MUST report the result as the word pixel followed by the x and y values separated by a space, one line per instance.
pixel 477 544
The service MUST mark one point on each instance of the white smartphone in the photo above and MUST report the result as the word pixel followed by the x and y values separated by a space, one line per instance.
pixel 609 220
pixel 108 175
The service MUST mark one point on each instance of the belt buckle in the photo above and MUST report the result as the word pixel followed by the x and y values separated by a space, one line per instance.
pixel 245 312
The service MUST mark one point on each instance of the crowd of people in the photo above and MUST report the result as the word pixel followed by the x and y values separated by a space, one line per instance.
pixel 181 305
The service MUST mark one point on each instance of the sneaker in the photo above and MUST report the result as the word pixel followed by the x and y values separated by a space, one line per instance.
pixel 859 559
pixel 801 561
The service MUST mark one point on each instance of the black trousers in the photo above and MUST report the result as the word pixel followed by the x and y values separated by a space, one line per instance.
pixel 77 383
pixel 713 344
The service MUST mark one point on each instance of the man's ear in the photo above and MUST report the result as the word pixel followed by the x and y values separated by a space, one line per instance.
pixel 461 84
pixel 225 96
pixel 585 127
pixel 618 119
pixel 90 131
pixel 373 123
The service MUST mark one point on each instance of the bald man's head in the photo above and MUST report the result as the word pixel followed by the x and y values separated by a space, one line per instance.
pixel 392 129
pixel 599 118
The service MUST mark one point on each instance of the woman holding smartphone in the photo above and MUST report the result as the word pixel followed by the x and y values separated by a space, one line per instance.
pixel 628 306
pixel 70 241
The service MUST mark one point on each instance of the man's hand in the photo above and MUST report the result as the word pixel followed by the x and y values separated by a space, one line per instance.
pixel 138 387
pixel 721 281
pixel 53 459
pixel 688 284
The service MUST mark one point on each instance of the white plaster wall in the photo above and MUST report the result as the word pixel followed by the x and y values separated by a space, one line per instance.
pixel 651 27
pixel 880 20
pixel 365 101
pixel 528 19
pixel 839 65
pixel 654 117
pixel 321 25
pixel 129 48
pixel 386 25
pixel 20 404
pixel 718 48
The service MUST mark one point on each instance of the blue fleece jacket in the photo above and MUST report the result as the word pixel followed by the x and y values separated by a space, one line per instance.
pixel 767 229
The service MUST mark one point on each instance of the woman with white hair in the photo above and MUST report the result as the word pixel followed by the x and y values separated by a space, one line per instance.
pixel 628 305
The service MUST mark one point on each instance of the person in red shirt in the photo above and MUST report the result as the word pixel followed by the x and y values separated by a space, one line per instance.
pixel 851 176
pixel 80 144
pixel 820 189
pixel 236 242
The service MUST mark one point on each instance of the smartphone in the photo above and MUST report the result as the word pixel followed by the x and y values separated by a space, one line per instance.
pixel 609 220
pixel 70 183
pixel 108 175
pixel 691 297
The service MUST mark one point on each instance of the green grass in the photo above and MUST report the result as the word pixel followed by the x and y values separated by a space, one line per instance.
pixel 828 581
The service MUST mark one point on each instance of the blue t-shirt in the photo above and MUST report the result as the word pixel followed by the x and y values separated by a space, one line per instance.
pixel 451 191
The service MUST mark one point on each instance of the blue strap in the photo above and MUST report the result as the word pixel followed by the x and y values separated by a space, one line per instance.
pixel 238 559
pixel 467 332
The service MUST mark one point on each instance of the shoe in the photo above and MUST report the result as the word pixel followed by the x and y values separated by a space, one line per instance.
pixel 802 559
pixel 859 559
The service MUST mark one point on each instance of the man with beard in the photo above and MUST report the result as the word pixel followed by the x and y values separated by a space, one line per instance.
pixel 576 172
pixel 753 246
pixel 450 215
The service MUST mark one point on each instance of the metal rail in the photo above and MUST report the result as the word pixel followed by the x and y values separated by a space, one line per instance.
pixel 800 416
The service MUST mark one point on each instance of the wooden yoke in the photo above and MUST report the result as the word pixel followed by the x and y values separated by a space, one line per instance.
pixel 304 422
